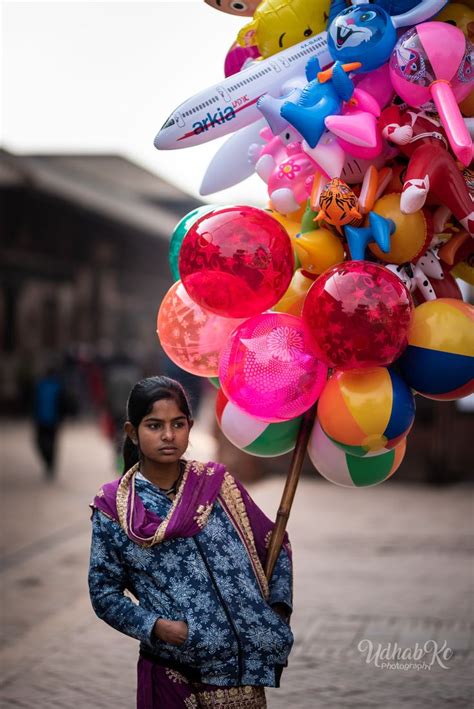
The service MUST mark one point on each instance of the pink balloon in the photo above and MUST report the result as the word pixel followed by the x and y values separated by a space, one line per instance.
pixel 358 314
pixel 268 370
pixel 236 261
pixel 191 336
pixel 434 61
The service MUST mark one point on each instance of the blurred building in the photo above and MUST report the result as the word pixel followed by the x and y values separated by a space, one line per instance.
pixel 84 261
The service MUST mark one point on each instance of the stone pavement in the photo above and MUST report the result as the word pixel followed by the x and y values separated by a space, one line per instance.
pixel 389 564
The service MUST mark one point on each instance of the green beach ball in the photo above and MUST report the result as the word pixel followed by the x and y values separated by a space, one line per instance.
pixel 180 231
pixel 342 468
pixel 259 438
pixel 215 382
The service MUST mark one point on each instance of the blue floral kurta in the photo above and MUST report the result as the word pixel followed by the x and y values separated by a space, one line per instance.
pixel 234 636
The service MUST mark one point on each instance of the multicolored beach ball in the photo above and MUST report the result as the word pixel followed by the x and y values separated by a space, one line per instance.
pixel 253 436
pixel 366 410
pixel 347 470
pixel 439 360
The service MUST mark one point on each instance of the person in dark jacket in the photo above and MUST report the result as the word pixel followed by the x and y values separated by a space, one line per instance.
pixel 48 405
pixel 188 542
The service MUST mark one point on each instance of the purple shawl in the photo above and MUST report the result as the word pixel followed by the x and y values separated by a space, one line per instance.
pixel 200 486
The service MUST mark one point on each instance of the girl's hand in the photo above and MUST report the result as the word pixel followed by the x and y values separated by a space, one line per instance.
pixel 174 632
pixel 282 610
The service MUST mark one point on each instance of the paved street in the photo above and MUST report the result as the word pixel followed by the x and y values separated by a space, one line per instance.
pixel 389 564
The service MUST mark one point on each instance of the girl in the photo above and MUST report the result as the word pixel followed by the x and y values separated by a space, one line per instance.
pixel 187 540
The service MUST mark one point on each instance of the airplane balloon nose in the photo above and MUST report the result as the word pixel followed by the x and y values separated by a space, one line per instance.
pixel 160 141
pixel 162 138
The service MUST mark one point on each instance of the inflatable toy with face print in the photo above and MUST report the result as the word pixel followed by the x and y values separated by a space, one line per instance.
pixel 245 8
pixel 362 33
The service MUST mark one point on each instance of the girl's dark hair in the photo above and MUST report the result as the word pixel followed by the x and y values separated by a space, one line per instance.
pixel 140 403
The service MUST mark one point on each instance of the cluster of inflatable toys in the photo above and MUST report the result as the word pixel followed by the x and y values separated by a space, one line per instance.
pixel 359 118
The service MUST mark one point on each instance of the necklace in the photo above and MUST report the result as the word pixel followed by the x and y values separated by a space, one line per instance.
pixel 174 486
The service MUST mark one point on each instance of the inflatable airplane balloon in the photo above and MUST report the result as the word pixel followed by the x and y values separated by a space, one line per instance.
pixel 232 103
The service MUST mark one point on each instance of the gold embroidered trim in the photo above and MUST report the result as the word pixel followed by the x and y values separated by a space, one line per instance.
pixel 267 539
pixel 246 697
pixel 232 498
pixel 202 514
pixel 191 702
pixel 199 467
pixel 121 497
pixel 126 487
pixel 175 676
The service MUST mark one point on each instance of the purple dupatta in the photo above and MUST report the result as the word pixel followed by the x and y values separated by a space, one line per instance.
pixel 200 486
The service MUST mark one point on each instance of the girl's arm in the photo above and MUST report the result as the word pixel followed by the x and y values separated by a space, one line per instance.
pixel 281 582
pixel 107 582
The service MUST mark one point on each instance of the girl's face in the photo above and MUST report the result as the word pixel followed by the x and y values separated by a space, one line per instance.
pixel 163 434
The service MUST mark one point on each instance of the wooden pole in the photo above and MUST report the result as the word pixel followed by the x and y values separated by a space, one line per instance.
pixel 289 490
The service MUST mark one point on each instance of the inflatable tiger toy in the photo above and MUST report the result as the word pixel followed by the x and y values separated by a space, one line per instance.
pixel 339 205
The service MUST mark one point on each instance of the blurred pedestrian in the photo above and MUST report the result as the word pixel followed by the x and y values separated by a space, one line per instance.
pixel 48 411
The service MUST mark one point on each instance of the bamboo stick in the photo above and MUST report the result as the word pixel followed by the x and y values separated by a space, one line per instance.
pixel 289 490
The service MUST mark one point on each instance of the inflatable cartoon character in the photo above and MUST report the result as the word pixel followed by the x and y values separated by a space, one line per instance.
pixel 426 277
pixel 317 102
pixel 287 170
pixel 362 33
pixel 244 8
pixel 339 205
pixel 431 168
pixel 341 209
pixel 393 7
pixel 367 33
pixel 279 24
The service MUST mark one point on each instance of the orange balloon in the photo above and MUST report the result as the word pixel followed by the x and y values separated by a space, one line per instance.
pixel 397 179
pixel 293 300
pixel 318 250
pixel 191 336
pixel 411 237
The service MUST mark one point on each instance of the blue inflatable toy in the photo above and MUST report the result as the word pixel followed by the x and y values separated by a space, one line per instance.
pixel 318 101
pixel 367 33
pixel 393 7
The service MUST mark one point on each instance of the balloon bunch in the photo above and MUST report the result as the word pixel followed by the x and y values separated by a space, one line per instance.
pixel 344 290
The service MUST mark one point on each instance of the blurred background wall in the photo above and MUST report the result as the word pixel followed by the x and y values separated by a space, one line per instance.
pixel 87 206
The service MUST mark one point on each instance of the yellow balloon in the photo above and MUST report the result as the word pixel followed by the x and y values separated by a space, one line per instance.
pixel 465 271
pixel 410 238
pixel 459 15
pixel 279 24
pixel 292 226
pixel 318 250
pixel 293 300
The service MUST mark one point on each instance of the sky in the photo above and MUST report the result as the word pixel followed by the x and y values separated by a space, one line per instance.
pixel 103 76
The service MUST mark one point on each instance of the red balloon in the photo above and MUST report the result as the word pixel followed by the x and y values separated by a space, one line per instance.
pixel 358 314
pixel 236 261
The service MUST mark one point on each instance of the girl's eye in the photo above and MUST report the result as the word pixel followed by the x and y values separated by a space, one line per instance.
pixel 179 424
